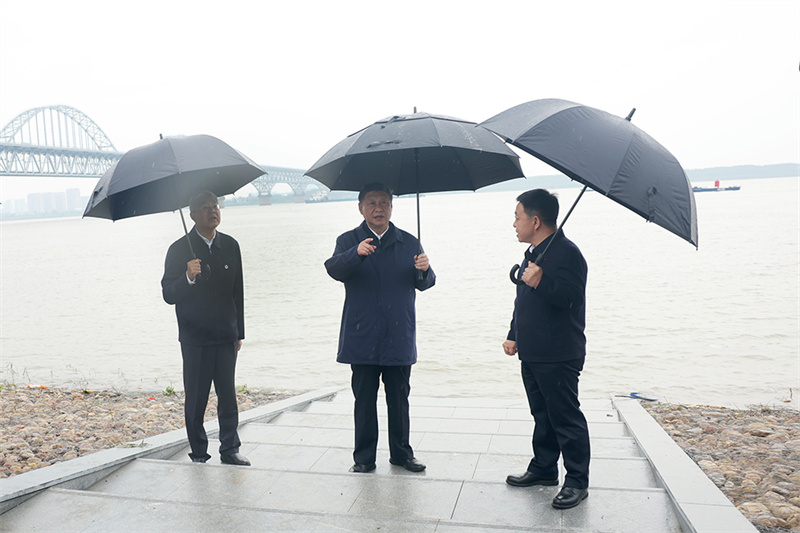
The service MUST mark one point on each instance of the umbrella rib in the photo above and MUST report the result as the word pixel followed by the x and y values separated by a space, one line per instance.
pixel 456 151
pixel 622 161
pixel 466 169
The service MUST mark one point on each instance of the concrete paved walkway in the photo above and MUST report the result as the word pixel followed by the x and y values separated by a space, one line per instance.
pixel 301 450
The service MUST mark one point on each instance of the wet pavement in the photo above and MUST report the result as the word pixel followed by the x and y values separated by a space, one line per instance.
pixel 301 451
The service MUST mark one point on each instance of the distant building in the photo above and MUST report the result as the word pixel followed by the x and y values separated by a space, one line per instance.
pixel 44 203
pixel 74 199
pixel 48 202
pixel 36 202
pixel 59 202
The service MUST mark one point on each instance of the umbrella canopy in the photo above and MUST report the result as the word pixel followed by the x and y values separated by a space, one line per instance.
pixel 418 153
pixel 606 153
pixel 164 175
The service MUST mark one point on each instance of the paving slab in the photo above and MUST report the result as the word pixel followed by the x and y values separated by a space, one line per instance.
pixel 299 480
pixel 64 510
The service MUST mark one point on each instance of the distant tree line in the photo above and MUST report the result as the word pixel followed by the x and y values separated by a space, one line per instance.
pixel 740 172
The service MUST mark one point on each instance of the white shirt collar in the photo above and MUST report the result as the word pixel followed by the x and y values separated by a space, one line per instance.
pixel 381 235
pixel 207 241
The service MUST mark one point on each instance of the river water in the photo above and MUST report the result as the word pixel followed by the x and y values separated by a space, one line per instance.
pixel 81 299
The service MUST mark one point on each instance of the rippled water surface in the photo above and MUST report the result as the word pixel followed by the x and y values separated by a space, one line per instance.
pixel 81 299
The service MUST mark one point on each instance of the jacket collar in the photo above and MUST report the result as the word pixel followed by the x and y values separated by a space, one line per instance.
pixel 198 240
pixel 542 246
pixel 392 233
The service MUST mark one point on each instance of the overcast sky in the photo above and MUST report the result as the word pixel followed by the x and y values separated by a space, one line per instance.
pixel 716 82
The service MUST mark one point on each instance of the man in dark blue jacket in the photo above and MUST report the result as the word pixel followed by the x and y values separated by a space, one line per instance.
pixel 378 264
pixel 208 295
pixel 547 332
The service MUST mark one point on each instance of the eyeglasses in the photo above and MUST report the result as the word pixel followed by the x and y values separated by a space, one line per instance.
pixel 208 208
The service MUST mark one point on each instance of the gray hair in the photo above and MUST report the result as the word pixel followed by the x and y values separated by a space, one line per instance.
pixel 199 198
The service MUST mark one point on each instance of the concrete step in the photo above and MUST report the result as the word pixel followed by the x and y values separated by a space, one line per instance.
pixel 608 472
pixel 299 481
pixel 608 438
pixel 157 495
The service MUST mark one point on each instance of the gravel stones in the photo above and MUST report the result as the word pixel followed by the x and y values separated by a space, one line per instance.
pixel 752 455
pixel 40 426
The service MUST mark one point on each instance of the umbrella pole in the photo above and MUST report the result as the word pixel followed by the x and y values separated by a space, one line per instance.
pixel 416 171
pixel 180 210
pixel 418 230
pixel 541 255
pixel 419 234
pixel 186 232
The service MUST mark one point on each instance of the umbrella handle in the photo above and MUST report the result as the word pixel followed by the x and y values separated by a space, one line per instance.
pixel 513 276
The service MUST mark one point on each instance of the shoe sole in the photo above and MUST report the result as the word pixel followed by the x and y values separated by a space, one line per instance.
pixel 395 463
pixel 366 471
pixel 544 482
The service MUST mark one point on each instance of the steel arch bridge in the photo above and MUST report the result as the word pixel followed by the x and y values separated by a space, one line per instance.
pixel 293 177
pixel 55 141
pixel 61 141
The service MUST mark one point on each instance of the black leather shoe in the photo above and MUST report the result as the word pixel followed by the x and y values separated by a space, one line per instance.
pixel 412 465
pixel 528 480
pixel 362 469
pixel 569 497
pixel 234 459
pixel 199 459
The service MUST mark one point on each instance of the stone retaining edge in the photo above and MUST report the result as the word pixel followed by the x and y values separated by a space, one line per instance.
pixel 700 505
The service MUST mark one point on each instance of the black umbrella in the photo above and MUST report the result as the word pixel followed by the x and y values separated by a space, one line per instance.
pixel 418 153
pixel 163 176
pixel 608 154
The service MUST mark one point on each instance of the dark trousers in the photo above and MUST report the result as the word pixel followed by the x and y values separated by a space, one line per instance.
pixel 201 366
pixel 396 385
pixel 559 425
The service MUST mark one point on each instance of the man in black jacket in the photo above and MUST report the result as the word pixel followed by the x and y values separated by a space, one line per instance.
pixel 208 294
pixel 547 332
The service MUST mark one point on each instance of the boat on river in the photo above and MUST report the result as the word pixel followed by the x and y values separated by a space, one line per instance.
pixel 716 187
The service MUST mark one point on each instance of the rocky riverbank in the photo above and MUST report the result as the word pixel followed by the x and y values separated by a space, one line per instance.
pixel 40 426
pixel 752 455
